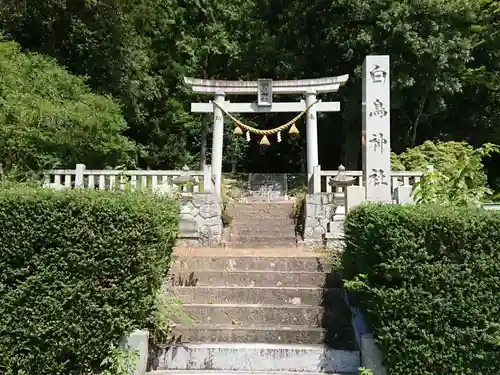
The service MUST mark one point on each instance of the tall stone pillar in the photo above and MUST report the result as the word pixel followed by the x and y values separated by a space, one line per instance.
pixel 218 141
pixel 311 133
pixel 376 135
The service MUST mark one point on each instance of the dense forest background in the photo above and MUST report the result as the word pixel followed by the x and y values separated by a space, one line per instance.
pixel 445 70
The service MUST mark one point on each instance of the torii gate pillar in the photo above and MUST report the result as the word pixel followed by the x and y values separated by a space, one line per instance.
pixel 311 133
pixel 218 140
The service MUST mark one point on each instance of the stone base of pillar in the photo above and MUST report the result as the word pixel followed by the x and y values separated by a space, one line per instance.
pixel 201 222
pixel 318 213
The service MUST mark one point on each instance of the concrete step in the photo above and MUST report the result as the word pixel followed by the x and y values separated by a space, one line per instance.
pixel 264 236
pixel 256 357
pixel 268 207
pixel 273 221
pixel 241 217
pixel 338 337
pixel 208 372
pixel 278 222
pixel 249 243
pixel 255 211
pixel 212 252
pixel 272 206
pixel 264 232
pixel 263 295
pixel 258 220
pixel 284 315
pixel 252 263
pixel 252 278
pixel 280 214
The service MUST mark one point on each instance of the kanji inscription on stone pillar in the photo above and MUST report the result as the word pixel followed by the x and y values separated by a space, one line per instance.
pixel 376 129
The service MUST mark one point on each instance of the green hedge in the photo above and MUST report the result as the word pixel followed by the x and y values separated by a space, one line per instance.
pixel 428 281
pixel 78 269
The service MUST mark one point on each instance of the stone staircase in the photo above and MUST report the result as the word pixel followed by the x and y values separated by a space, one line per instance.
pixel 258 311
pixel 258 224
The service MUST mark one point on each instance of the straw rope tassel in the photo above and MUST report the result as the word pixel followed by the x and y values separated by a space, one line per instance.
pixel 293 130
pixel 250 129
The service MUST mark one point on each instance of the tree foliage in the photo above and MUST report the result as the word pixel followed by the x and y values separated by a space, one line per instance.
pixel 454 172
pixel 137 51
pixel 49 118
pixel 444 56
pixel 444 157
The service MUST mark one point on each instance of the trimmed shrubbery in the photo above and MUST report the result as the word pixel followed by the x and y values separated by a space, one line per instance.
pixel 428 281
pixel 78 269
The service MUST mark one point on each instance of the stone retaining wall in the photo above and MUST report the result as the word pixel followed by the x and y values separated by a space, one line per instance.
pixel 200 220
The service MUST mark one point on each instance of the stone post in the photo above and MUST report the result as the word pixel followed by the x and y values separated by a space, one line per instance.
pixel 311 134
pixel 137 341
pixel 218 141
pixel 80 168
pixel 376 134
pixel 207 179
pixel 371 356
pixel 354 196
pixel 403 194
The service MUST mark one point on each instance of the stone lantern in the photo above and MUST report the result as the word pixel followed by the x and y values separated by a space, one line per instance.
pixel 185 178
pixel 340 181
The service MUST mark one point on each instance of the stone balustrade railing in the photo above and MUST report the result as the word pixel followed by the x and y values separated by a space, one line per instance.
pixel 200 217
pixel 161 180
pixel 321 179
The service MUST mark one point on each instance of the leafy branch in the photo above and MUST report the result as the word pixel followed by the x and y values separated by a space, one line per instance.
pixel 457 185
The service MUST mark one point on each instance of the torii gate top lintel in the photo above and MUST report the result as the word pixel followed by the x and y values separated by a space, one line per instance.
pixel 318 85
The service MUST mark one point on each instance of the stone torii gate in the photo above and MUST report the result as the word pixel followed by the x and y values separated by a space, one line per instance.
pixel 264 89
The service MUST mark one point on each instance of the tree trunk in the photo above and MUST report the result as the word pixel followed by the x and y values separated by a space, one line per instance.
pixel 412 131
pixel 351 147
pixel 303 167
pixel 203 146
